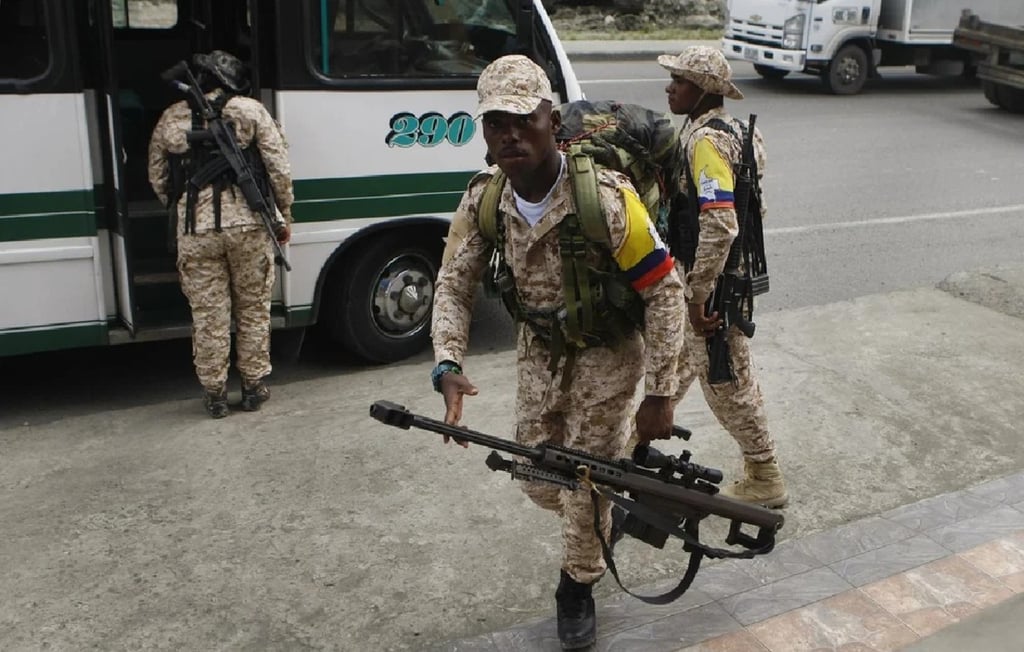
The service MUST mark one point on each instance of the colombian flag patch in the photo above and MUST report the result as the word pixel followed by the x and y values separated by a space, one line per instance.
pixel 713 177
pixel 643 256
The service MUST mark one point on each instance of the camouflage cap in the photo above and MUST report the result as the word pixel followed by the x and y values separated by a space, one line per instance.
pixel 706 67
pixel 226 67
pixel 513 84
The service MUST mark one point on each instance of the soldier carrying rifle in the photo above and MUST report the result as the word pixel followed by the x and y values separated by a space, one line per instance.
pixel 702 239
pixel 214 160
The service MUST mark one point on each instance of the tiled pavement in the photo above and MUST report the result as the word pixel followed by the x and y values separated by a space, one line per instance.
pixel 880 583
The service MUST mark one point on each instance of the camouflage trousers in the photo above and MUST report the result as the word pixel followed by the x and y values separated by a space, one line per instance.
pixel 595 414
pixel 228 275
pixel 739 406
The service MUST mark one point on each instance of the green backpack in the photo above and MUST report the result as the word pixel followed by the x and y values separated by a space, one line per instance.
pixel 600 304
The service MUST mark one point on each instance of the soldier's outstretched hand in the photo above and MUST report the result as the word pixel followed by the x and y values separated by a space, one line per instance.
pixel 453 388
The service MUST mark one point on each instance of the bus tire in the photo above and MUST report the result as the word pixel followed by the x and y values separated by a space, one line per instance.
pixel 847 71
pixel 767 72
pixel 386 296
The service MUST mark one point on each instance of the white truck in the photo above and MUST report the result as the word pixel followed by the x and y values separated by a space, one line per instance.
pixel 846 41
pixel 1001 67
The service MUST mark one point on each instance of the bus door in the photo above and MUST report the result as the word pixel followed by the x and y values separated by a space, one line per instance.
pixel 108 97
pixel 139 40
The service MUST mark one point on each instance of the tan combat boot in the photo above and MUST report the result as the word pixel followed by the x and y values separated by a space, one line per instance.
pixel 762 484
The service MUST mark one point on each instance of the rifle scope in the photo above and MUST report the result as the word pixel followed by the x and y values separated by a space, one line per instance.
pixel 652 458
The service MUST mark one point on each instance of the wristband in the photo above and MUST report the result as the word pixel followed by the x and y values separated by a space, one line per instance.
pixel 440 370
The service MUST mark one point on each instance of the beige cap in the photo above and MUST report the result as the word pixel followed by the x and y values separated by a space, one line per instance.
pixel 706 67
pixel 513 84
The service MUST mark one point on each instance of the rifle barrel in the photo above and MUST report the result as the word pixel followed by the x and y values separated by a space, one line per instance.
pixel 399 416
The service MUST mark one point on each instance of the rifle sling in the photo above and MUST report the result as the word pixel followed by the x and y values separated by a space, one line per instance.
pixel 689 534
pixel 696 554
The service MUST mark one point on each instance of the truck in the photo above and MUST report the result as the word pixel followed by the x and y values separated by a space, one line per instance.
pixel 1000 49
pixel 376 98
pixel 845 42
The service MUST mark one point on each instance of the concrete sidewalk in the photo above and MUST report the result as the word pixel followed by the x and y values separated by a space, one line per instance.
pixel 310 526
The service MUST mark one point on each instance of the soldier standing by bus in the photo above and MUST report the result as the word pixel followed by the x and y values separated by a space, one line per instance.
pixel 225 255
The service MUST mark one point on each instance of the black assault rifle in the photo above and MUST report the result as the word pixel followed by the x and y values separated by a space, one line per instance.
pixel 733 297
pixel 219 132
pixel 667 495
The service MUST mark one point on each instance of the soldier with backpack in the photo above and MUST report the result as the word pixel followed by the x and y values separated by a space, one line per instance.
pixel 712 141
pixel 225 255
pixel 571 250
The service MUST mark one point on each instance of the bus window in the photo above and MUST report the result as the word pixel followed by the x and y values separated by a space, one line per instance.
pixel 415 38
pixel 144 14
pixel 24 39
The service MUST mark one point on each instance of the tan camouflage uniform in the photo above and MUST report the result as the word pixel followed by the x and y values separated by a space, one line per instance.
pixel 739 406
pixel 596 411
pixel 227 274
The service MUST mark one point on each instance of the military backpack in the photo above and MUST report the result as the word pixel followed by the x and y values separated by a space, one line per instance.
pixel 601 306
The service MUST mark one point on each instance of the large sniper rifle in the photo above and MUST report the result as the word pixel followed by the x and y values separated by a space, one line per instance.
pixel 667 495
pixel 220 133
pixel 735 289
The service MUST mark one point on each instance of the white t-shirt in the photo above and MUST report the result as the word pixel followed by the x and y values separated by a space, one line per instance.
pixel 534 211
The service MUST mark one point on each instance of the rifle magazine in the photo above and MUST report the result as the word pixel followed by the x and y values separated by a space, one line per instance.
pixel 759 285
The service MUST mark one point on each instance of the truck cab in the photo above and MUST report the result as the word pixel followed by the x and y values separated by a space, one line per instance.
pixel 844 42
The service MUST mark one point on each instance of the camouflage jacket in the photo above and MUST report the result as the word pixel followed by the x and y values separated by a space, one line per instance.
pixel 533 254
pixel 718 225
pixel 254 126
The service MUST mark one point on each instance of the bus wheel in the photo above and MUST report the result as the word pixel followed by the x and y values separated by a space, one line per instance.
pixel 848 71
pixel 387 294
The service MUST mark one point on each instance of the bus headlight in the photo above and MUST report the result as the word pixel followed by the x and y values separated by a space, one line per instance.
pixel 793 32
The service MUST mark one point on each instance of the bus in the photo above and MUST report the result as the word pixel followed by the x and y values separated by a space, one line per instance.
pixel 376 98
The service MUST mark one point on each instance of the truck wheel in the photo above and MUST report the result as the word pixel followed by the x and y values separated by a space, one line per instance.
pixel 386 295
pixel 1010 98
pixel 989 89
pixel 847 72
pixel 768 72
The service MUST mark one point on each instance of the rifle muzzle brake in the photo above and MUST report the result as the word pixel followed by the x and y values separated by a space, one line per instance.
pixel 391 414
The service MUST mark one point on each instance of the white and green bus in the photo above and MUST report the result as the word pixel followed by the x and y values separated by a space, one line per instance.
pixel 376 98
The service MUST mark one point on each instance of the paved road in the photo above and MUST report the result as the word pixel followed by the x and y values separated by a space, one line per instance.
pixel 893 189
pixel 864 192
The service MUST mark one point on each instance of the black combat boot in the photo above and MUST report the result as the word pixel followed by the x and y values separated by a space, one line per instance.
pixel 255 396
pixel 216 403
pixel 577 623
